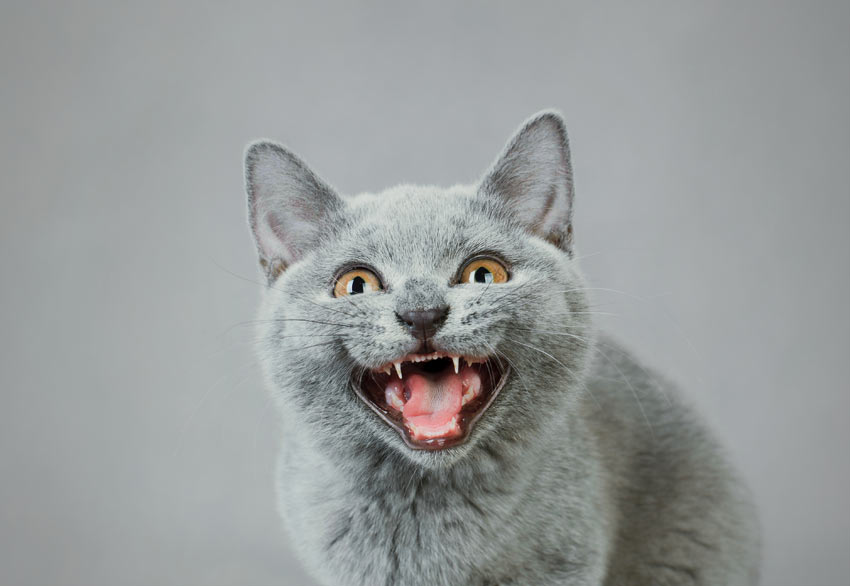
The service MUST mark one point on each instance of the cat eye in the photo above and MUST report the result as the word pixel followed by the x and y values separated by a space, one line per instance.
pixel 357 281
pixel 484 270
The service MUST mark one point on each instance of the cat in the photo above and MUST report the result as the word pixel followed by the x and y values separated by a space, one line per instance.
pixel 449 416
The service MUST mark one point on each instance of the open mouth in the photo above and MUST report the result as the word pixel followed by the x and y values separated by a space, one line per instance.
pixel 432 400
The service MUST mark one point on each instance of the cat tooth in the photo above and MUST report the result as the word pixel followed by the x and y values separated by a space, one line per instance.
pixel 467 396
pixel 456 362
pixel 386 370
pixel 398 368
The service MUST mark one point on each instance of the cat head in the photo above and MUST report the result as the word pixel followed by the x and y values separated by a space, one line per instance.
pixel 421 321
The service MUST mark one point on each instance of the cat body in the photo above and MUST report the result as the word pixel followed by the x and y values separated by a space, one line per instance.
pixel 570 465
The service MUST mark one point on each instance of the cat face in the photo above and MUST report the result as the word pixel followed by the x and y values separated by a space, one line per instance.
pixel 420 319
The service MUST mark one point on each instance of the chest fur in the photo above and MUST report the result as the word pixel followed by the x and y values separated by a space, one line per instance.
pixel 425 530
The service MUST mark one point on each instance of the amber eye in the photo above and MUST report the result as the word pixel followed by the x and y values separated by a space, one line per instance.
pixel 357 281
pixel 484 270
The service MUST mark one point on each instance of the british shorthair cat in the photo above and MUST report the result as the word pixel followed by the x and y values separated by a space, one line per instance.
pixel 447 417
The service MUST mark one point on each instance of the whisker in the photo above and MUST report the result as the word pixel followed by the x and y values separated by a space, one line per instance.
pixel 260 338
pixel 359 310
pixel 569 370
pixel 610 251
pixel 252 322
pixel 516 291
pixel 606 289
pixel 649 375
pixel 313 321
pixel 577 337
pixel 317 345
pixel 513 366
pixel 646 300
pixel 615 365
pixel 290 293
pixel 206 395
pixel 634 391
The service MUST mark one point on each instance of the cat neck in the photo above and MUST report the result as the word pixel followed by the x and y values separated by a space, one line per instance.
pixel 495 466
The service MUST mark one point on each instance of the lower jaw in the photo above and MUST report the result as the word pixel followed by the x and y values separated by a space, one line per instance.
pixel 495 375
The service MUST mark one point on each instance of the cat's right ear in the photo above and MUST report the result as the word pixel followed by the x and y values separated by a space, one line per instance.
pixel 288 205
pixel 533 177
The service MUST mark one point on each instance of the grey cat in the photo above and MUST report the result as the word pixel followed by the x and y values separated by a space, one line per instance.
pixel 449 416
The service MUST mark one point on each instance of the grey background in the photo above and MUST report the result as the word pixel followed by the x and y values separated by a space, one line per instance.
pixel 711 149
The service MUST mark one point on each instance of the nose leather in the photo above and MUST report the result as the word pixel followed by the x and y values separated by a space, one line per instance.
pixel 424 323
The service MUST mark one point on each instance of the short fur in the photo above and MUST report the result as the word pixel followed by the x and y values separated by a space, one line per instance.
pixel 586 470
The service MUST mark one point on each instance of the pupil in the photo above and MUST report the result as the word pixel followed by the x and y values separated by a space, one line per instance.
pixel 482 275
pixel 356 285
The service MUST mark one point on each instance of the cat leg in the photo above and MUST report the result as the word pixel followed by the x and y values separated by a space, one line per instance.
pixel 679 555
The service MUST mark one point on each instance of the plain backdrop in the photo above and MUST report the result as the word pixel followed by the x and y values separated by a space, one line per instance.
pixel 711 146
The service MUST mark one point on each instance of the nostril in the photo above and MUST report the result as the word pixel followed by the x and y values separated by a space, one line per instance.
pixel 405 318
pixel 439 314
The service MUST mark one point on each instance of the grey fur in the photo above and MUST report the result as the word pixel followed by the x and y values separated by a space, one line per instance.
pixel 586 470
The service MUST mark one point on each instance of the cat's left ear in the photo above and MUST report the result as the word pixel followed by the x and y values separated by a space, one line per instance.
pixel 533 176
pixel 289 207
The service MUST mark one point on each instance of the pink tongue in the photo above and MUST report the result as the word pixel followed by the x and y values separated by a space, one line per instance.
pixel 434 400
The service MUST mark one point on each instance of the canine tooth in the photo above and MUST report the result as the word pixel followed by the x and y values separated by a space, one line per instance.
pixel 398 368
pixel 456 362
pixel 393 395
pixel 386 370
pixel 466 397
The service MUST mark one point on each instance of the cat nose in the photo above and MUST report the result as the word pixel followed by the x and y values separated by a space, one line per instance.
pixel 424 323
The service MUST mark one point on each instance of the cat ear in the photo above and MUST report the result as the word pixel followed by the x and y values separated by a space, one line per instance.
pixel 533 176
pixel 288 205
